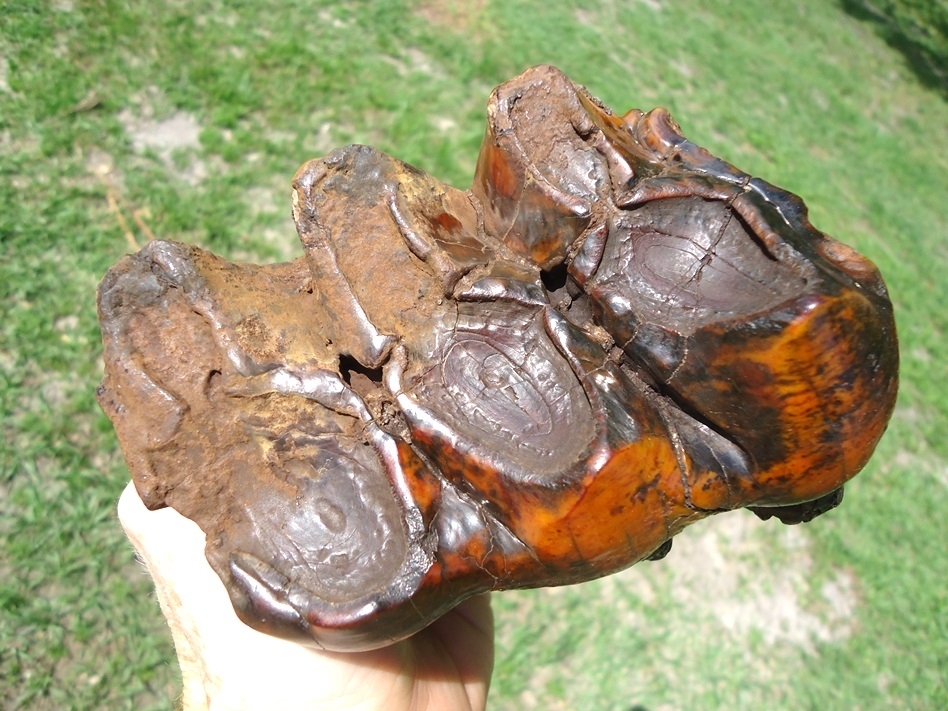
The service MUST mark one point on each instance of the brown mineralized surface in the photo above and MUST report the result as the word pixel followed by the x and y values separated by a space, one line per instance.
pixel 538 381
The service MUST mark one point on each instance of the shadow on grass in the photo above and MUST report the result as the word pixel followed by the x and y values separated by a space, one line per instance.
pixel 920 34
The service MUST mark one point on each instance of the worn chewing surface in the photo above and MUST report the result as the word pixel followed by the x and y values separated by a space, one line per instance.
pixel 538 381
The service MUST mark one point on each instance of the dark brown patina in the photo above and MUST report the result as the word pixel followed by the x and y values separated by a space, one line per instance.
pixel 538 381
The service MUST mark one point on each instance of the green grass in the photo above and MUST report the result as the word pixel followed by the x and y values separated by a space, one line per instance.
pixel 799 93
pixel 918 28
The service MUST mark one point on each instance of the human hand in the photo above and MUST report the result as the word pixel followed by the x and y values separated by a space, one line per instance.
pixel 228 666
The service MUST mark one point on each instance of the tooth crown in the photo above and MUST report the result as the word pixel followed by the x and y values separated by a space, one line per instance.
pixel 539 381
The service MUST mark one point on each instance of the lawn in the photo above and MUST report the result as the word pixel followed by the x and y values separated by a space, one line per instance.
pixel 120 121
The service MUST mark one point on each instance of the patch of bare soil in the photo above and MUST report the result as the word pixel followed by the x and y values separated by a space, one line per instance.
pixel 175 134
pixel 462 17
pixel 753 583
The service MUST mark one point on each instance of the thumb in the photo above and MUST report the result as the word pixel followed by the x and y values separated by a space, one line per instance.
pixel 224 663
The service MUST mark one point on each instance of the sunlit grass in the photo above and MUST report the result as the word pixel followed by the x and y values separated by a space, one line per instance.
pixel 799 93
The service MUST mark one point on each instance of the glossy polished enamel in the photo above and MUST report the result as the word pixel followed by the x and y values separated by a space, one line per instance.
pixel 538 381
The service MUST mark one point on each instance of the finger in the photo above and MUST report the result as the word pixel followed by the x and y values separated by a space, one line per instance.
pixel 466 635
